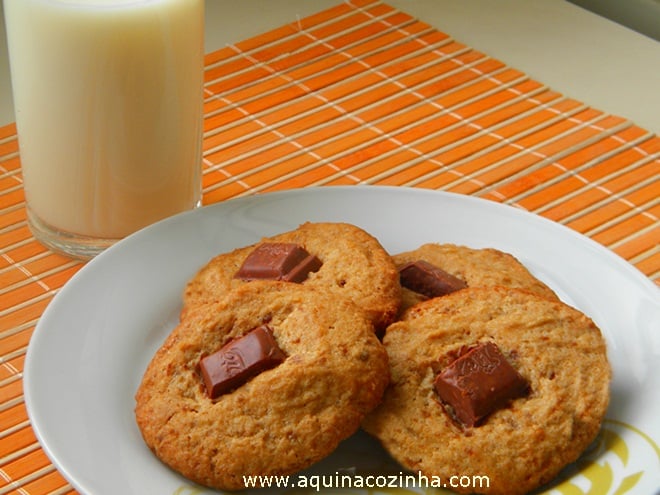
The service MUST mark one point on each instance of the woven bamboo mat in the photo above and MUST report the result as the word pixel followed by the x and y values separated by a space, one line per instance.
pixel 358 94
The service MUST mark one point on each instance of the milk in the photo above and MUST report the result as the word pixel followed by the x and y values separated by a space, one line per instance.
pixel 108 99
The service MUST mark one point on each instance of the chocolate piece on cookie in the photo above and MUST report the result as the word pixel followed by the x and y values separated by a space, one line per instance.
pixel 278 261
pixel 283 418
pixel 239 360
pixel 479 382
pixel 353 264
pixel 525 442
pixel 474 267
pixel 428 280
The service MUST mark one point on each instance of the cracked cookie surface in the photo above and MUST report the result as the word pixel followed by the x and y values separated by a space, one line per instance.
pixel 557 349
pixel 285 418
pixel 355 266
pixel 485 267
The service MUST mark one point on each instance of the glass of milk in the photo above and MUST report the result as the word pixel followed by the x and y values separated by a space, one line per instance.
pixel 108 101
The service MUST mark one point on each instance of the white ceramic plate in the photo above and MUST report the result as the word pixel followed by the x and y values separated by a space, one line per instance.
pixel 92 344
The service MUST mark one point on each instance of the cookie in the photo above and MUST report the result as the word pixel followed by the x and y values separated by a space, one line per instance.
pixel 476 267
pixel 283 419
pixel 525 442
pixel 354 265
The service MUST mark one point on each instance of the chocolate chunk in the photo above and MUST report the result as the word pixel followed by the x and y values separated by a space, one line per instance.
pixel 429 280
pixel 478 383
pixel 240 360
pixel 278 261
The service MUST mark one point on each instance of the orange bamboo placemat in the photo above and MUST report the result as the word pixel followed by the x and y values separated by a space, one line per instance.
pixel 358 94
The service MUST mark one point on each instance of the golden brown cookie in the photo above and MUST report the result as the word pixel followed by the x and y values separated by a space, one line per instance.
pixel 355 266
pixel 281 420
pixel 522 445
pixel 477 267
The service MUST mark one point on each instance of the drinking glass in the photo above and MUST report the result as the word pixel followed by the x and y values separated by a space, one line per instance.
pixel 108 103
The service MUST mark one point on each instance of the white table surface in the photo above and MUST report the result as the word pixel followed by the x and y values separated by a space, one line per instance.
pixel 573 51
